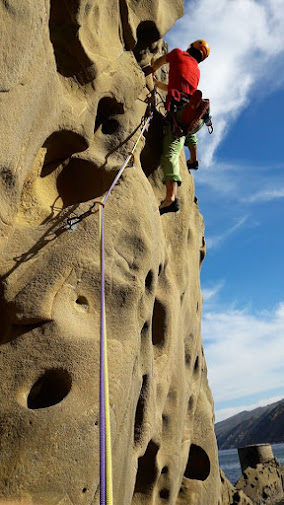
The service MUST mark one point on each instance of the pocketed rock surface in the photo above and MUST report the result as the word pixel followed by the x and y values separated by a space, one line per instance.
pixel 230 495
pixel 72 92
pixel 263 483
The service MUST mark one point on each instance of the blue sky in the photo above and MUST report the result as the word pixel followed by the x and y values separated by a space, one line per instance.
pixel 240 189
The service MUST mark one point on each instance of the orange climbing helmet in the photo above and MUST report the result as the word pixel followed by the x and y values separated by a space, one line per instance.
pixel 202 46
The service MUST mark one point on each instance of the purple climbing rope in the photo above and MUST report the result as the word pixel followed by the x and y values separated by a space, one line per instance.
pixel 102 374
pixel 103 483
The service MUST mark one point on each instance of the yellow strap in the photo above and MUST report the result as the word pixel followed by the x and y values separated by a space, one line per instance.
pixel 109 484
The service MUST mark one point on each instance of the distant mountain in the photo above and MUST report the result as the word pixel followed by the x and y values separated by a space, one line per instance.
pixel 261 425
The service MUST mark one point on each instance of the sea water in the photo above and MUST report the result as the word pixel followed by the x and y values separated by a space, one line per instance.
pixel 229 461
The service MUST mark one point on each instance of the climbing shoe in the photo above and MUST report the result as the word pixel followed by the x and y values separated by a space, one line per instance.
pixel 193 166
pixel 169 206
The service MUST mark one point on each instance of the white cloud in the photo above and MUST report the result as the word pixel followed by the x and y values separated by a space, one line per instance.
pixel 266 195
pixel 222 414
pixel 244 351
pixel 211 293
pixel 247 40
pixel 218 240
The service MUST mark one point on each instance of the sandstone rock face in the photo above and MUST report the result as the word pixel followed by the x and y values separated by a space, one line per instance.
pixel 263 483
pixel 72 92
pixel 230 495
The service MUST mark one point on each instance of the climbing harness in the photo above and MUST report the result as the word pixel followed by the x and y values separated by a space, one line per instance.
pixel 193 107
pixel 106 481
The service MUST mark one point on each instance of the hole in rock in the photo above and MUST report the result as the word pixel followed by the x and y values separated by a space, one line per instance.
pixel 149 280
pixel 188 345
pixel 147 471
pixel 187 357
pixel 107 108
pixel 60 145
pixel 71 58
pixel 202 256
pixel 196 364
pixel 165 469
pixel 198 464
pixel 145 329
pixel 165 419
pixel 82 302
pixel 110 126
pixel 127 35
pixel 159 324
pixel 152 150
pixel 84 490
pixel 236 497
pixel 147 33
pixel 140 410
pixel 81 180
pixel 51 388
pixel 10 332
pixel 165 493
pixel 191 402
pixel 73 180
pixel 160 270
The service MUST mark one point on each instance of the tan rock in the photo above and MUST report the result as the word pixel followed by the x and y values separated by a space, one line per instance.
pixel 72 94
pixel 263 483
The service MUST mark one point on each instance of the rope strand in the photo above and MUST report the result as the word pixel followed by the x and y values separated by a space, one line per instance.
pixel 106 480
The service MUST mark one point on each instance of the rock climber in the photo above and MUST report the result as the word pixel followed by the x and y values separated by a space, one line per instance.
pixel 184 77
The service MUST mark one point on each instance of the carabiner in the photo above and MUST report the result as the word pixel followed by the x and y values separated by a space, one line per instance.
pixel 210 129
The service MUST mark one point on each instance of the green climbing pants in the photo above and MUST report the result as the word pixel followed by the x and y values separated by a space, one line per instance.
pixel 172 147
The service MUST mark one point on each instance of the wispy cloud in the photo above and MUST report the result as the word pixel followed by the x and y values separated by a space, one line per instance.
pixel 247 42
pixel 210 293
pixel 266 195
pixel 218 240
pixel 244 351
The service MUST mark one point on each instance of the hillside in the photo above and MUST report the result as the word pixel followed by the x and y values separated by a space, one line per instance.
pixel 263 424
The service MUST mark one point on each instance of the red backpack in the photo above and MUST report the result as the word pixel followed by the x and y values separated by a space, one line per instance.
pixel 194 110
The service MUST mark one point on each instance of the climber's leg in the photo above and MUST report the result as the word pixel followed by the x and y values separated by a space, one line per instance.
pixel 191 143
pixel 170 158
pixel 171 190
pixel 170 204
pixel 172 147
pixel 193 153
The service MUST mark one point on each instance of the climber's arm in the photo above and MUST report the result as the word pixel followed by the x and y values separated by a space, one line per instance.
pixel 160 84
pixel 158 63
